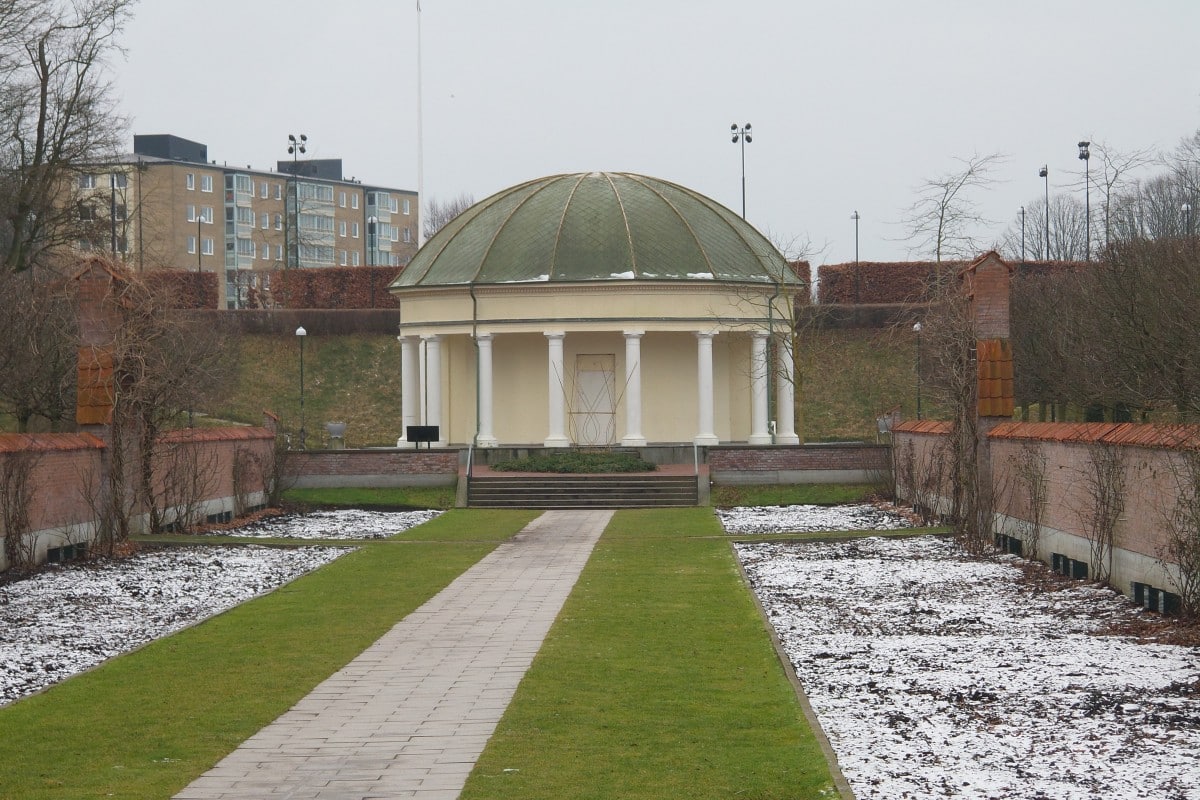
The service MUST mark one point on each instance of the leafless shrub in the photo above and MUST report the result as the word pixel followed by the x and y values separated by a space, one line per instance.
pixel 1030 495
pixel 922 478
pixel 189 476
pixel 1103 481
pixel 16 498
pixel 1180 556
pixel 247 471
pixel 279 472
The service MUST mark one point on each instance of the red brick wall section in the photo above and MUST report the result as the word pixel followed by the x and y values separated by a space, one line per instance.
pixel 63 464
pixel 987 282
pixel 375 462
pixel 805 457
pixel 214 449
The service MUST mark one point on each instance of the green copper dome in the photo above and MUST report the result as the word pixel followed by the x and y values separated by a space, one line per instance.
pixel 596 226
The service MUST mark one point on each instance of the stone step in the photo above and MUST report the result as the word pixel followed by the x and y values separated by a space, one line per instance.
pixel 582 491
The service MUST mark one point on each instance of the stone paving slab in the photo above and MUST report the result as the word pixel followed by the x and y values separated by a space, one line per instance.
pixel 411 714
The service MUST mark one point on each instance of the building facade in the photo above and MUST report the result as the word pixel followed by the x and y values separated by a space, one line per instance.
pixel 167 206
pixel 598 309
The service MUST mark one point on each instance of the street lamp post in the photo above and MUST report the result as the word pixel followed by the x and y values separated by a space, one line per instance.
pixel 301 333
pixel 917 331
pixel 1085 156
pixel 296 146
pixel 856 218
pixel 742 135
pixel 1044 174
pixel 199 249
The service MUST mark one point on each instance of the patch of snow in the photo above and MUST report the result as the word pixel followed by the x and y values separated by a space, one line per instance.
pixel 340 524
pixel 810 519
pixel 701 276
pixel 938 675
pixel 624 276
pixel 68 619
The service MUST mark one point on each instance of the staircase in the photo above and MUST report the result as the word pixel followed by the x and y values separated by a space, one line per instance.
pixel 582 491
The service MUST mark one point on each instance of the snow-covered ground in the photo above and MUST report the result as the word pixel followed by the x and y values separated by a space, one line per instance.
pixel 811 519
pixel 938 675
pixel 69 618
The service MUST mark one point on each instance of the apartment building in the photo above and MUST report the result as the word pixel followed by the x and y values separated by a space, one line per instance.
pixel 167 206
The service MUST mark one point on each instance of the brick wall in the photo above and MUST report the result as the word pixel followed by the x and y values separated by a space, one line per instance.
pixel 375 467
pixel 812 463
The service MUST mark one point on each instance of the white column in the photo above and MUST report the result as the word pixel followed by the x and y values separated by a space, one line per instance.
pixel 633 390
pixel 758 389
pixel 785 393
pixel 433 386
pixel 556 379
pixel 485 437
pixel 410 387
pixel 704 381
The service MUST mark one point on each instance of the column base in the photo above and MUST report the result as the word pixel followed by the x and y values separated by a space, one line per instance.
pixel 633 441
pixel 787 438
pixel 557 441
pixel 760 438
pixel 706 439
pixel 487 441
pixel 404 443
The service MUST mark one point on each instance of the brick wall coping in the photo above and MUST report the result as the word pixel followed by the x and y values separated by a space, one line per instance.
pixel 48 442
pixel 930 427
pixel 1129 434
pixel 231 434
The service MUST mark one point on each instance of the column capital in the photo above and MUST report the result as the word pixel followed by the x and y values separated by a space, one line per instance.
pixel 485 336
pixel 554 334
pixel 760 334
pixel 634 333
pixel 431 337
pixel 705 334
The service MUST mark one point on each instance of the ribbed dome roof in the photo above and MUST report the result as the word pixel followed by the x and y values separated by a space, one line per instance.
pixel 596 226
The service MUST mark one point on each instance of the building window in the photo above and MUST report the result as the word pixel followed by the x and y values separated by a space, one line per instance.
pixel 265 253
pixel 279 222
pixel 191 181
pixel 87 181
pixel 279 252
pixel 207 214
pixel 354 259
pixel 119 180
pixel 264 219
pixel 119 212
pixel 354 201
pixel 393 206
pixel 407 235
pixel 279 191
pixel 206 183
pixel 207 246
pixel 342 228
pixel 342 199
pixel 191 212
pixel 343 258
pixel 192 245
pixel 86 213
pixel 407 207
pixel 354 229
pixel 262 190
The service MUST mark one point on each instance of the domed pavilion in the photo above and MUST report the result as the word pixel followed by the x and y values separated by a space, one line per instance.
pixel 597 308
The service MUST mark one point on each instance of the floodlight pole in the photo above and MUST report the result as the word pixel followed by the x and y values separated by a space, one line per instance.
pixel 742 135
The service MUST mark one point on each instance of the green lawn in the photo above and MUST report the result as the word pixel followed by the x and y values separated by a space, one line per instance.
pixel 658 680
pixel 146 724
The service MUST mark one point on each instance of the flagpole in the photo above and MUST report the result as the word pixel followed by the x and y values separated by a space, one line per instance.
pixel 420 140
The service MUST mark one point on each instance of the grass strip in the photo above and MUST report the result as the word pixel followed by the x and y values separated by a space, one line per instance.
pixel 657 680
pixel 147 723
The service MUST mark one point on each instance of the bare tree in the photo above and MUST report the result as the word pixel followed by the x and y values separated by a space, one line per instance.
pixel 1068 231
pixel 1103 479
pixel 37 351
pixel 1113 176
pixel 56 112
pixel 437 213
pixel 944 220
pixel 1180 555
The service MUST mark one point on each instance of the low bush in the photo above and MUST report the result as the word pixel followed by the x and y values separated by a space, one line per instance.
pixel 576 461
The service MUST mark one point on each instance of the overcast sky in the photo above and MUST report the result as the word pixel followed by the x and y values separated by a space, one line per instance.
pixel 852 104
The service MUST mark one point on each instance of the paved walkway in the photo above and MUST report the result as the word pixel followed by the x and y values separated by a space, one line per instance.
pixel 410 716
